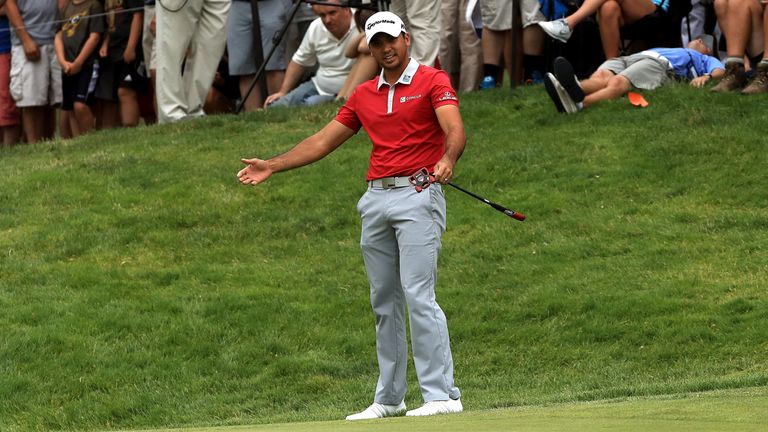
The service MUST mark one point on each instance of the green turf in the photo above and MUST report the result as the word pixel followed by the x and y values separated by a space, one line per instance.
pixel 740 410
pixel 142 287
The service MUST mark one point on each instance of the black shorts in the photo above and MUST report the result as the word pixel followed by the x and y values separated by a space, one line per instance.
pixel 118 74
pixel 79 87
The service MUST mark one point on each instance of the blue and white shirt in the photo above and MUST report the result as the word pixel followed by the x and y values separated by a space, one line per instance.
pixel 688 63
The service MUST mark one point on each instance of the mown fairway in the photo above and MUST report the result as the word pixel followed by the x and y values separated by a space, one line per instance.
pixel 739 410
pixel 142 287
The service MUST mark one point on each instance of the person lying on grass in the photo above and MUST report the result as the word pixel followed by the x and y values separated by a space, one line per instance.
pixel 646 70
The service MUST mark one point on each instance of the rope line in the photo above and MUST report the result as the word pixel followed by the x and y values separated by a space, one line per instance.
pixel 62 21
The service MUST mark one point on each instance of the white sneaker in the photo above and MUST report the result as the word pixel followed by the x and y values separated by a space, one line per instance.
pixel 557 29
pixel 437 407
pixel 377 410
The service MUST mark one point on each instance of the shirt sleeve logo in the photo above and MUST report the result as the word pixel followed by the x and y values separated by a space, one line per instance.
pixel 447 96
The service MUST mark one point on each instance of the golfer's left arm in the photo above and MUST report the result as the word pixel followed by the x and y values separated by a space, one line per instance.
pixel 450 121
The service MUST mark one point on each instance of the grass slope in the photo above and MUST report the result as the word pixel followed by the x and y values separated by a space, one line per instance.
pixel 142 287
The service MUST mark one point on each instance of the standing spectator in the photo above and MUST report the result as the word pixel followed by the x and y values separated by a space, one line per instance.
pixel 76 44
pixel 148 47
pixel 323 45
pixel 459 37
pixel 120 81
pixel 195 31
pixel 533 40
pixel 35 71
pixel 9 114
pixel 273 15
pixel 497 41
pixel 424 20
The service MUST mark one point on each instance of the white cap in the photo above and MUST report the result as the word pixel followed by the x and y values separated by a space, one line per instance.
pixel 383 22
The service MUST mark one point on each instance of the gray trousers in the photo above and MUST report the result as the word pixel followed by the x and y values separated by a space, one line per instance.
pixel 401 231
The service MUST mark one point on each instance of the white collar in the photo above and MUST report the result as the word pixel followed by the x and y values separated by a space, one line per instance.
pixel 405 78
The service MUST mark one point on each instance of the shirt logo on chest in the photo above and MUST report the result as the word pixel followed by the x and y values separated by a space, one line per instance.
pixel 404 99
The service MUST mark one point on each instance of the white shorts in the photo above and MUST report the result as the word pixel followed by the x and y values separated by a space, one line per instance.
pixel 35 83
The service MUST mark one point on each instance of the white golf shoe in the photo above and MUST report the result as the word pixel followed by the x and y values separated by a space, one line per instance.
pixel 437 407
pixel 377 410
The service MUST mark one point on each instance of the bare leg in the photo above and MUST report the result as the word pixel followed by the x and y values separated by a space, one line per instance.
pixel 35 123
pixel 83 117
pixel 617 87
pixel 129 107
pixel 597 81
pixel 255 100
pixel 11 134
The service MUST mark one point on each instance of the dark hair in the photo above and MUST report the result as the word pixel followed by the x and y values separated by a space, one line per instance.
pixel 361 16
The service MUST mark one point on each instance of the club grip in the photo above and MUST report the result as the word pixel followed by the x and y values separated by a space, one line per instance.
pixel 514 215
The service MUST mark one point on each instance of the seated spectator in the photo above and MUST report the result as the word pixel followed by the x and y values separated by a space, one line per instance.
pixel 35 71
pixel 742 24
pixel 645 70
pixel 323 44
pixel 76 44
pixel 365 66
pixel 612 15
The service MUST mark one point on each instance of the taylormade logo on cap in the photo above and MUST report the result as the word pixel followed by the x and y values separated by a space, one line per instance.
pixel 383 22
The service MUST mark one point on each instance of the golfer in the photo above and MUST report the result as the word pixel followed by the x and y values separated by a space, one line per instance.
pixel 410 111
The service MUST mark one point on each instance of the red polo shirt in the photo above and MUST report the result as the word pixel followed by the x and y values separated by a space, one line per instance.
pixel 401 120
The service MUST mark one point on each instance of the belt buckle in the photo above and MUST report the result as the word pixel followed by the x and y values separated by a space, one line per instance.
pixel 388 182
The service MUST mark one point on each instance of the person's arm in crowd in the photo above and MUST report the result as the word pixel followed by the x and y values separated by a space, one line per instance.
pixel 58 44
pixel 455 138
pixel 293 74
pixel 699 82
pixel 352 49
pixel 85 53
pixel 304 153
pixel 129 55
pixel 31 50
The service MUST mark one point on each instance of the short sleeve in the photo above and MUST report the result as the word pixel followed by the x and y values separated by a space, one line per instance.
pixel 442 92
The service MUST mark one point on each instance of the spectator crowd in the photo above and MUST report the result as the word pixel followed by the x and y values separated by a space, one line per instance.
pixel 70 66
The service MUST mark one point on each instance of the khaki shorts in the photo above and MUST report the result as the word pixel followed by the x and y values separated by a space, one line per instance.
pixel 35 83
pixel 530 12
pixel 496 14
pixel 642 71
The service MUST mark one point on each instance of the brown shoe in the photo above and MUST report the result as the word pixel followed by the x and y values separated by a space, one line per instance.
pixel 759 83
pixel 734 79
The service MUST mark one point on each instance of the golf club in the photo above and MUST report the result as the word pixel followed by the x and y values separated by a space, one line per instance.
pixel 422 179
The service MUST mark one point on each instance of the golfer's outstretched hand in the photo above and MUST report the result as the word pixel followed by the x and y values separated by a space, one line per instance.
pixel 255 172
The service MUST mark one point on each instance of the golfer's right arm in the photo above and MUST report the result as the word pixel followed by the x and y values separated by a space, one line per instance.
pixel 307 151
